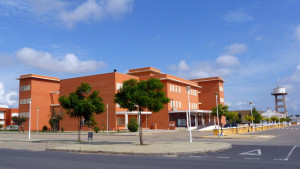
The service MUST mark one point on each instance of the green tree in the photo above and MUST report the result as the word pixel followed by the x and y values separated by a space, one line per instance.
pixel 282 120
pixel 56 116
pixel 288 119
pixel 82 104
pixel 256 116
pixel 19 121
pixel 140 95
pixel 232 117
pixel 222 111
pixel 274 119
pixel 249 119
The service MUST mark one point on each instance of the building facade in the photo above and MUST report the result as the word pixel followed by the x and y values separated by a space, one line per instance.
pixel 43 92
pixel 6 115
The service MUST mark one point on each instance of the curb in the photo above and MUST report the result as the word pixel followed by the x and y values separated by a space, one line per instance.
pixel 133 153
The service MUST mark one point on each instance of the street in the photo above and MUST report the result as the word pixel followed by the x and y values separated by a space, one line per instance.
pixel 282 151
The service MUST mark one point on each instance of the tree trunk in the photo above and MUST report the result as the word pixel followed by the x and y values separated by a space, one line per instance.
pixel 79 128
pixel 141 128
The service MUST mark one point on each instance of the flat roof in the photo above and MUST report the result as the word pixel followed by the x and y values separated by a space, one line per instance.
pixel 38 77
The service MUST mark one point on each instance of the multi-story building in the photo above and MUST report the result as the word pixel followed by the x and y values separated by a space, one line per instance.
pixel 43 92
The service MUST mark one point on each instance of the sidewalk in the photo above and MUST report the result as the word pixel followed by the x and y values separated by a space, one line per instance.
pixel 153 148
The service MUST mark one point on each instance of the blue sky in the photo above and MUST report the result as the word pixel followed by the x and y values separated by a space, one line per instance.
pixel 253 45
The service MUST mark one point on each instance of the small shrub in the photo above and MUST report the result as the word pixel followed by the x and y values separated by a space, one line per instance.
pixel 1 125
pixel 133 125
pixel 96 129
pixel 45 128
pixel 62 129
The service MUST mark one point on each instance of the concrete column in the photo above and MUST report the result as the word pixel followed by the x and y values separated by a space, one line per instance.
pixel 126 120
pixel 208 118
pixel 187 120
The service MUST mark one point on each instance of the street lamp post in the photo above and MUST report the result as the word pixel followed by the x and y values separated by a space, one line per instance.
pixel 107 119
pixel 189 120
pixel 217 114
pixel 29 128
pixel 37 120
pixel 252 117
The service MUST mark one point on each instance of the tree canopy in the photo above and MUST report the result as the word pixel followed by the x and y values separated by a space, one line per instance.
pixel 232 117
pixel 222 111
pixel 140 95
pixel 256 116
pixel 19 121
pixel 82 103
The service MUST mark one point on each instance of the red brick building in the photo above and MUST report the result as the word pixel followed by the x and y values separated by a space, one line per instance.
pixel 44 91
pixel 6 115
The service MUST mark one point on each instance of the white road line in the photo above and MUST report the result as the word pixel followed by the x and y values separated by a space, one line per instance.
pixel 196 156
pixel 252 158
pixel 288 156
pixel 222 157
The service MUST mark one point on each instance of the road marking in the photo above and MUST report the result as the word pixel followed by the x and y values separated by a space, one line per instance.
pixel 196 156
pixel 252 158
pixel 222 157
pixel 288 156
pixel 252 153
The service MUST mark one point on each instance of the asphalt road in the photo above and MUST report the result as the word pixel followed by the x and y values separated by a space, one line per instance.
pixel 281 152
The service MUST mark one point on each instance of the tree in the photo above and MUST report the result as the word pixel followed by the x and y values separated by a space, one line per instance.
pixel 256 116
pixel 274 119
pixel 222 111
pixel 54 120
pixel 82 104
pixel 19 121
pixel 138 96
pixel 232 117
pixel 249 119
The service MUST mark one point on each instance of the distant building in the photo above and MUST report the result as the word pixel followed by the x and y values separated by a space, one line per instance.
pixel 43 92
pixel 6 115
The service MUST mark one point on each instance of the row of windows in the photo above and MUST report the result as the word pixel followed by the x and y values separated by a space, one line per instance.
pixel 25 101
pixel 174 88
pixel 24 114
pixel 25 88
pixel 175 104
pixel 193 92
pixel 193 106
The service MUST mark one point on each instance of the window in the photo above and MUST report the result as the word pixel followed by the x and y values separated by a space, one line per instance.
pixel 25 101
pixel 173 88
pixel 176 88
pixel 179 89
pixel 25 88
pixel 179 104
pixel 119 86
pixel 121 120
pixel 171 102
pixel 24 114
pixel 221 89
pixel 222 100
pixel 170 87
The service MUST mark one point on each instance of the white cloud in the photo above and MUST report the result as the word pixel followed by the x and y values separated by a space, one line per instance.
pixel 236 48
pixel 258 38
pixel 237 16
pixel 45 61
pixel 298 67
pixel 297 33
pixel 228 60
pixel 69 13
pixel 7 99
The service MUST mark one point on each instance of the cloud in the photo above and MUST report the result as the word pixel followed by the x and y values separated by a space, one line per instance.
pixel 297 33
pixel 7 99
pixel 45 61
pixel 258 38
pixel 237 16
pixel 227 60
pixel 236 48
pixel 69 13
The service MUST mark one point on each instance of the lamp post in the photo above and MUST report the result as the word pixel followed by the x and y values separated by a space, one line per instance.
pixel 107 119
pixel 37 120
pixel 29 128
pixel 252 117
pixel 217 114
pixel 189 120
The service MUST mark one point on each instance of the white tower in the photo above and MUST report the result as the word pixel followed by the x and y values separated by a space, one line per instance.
pixel 280 104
